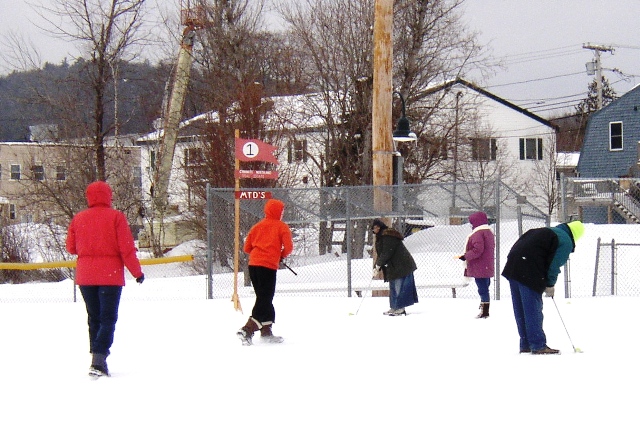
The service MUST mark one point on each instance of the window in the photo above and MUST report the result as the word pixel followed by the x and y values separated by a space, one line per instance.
pixel 194 164
pixel 615 136
pixel 137 176
pixel 38 172
pixel 15 172
pixel 483 149
pixel 152 159
pixel 12 211
pixel 297 151
pixel 61 173
pixel 193 157
pixel 531 148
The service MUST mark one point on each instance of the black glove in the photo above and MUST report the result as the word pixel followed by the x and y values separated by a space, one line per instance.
pixel 140 279
pixel 463 258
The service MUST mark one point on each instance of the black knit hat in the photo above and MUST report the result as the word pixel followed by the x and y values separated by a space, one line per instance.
pixel 379 223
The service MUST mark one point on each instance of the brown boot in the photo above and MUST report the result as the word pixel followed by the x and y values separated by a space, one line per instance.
pixel 484 310
pixel 267 334
pixel 245 334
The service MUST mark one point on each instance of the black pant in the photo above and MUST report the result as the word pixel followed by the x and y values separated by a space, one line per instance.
pixel 264 285
pixel 102 303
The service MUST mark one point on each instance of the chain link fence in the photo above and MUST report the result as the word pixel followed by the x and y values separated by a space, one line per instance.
pixel 613 261
pixel 333 245
pixel 333 242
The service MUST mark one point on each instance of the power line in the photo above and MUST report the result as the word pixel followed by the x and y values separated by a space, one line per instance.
pixel 536 80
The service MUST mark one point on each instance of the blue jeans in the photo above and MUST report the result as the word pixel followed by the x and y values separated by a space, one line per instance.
pixel 402 292
pixel 527 309
pixel 102 303
pixel 483 288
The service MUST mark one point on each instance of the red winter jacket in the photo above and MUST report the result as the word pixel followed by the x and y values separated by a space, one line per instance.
pixel 101 238
pixel 269 240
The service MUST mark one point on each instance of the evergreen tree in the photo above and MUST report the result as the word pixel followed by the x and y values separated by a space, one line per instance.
pixel 590 104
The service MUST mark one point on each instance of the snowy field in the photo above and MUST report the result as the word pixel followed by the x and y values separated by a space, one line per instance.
pixel 177 367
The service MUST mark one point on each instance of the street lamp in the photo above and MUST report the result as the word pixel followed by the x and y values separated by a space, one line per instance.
pixel 403 133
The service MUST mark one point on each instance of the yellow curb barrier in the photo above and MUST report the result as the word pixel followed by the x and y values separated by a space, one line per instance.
pixel 72 263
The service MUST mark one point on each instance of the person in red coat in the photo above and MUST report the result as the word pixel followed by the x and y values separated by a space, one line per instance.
pixel 479 254
pixel 268 243
pixel 101 238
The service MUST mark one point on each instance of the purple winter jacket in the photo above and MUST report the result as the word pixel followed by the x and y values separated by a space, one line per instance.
pixel 480 248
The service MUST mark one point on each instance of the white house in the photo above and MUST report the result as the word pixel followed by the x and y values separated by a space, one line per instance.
pixel 495 136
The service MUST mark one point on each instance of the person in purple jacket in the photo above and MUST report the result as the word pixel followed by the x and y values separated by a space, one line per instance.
pixel 479 255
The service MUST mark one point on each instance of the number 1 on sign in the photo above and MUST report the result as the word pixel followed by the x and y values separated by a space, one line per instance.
pixel 247 149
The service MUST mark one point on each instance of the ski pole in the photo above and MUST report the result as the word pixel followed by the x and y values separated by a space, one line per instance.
pixel 575 349
pixel 287 266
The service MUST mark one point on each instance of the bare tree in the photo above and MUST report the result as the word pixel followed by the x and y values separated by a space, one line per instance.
pixel 53 192
pixel 545 182
pixel 108 32
pixel 230 66
pixel 20 53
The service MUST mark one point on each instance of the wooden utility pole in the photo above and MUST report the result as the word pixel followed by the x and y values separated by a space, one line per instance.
pixel 382 143
pixel 598 67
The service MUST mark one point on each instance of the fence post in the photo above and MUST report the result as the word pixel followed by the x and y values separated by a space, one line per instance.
pixel 563 196
pixel 595 275
pixel 498 217
pixel 613 267
pixel 209 244
pixel 348 236
pixel 567 279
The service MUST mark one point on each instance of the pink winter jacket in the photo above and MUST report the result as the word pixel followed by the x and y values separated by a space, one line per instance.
pixel 480 248
pixel 101 238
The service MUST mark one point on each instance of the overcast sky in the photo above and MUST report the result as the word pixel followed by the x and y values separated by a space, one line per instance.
pixel 539 43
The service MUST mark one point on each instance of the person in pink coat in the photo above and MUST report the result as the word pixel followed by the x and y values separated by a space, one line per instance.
pixel 479 255
pixel 101 238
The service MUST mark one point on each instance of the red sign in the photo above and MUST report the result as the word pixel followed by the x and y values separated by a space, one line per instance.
pixel 254 150
pixel 252 194
pixel 246 173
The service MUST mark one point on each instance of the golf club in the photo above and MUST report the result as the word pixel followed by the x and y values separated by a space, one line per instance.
pixel 575 349
pixel 364 295
pixel 287 266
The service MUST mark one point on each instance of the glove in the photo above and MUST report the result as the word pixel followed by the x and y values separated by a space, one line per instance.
pixel 376 271
pixel 140 279
pixel 550 291
pixel 462 257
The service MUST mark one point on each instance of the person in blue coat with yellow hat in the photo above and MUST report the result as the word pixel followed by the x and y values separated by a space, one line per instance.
pixel 532 268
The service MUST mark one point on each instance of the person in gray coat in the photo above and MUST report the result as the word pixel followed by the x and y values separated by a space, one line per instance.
pixel 397 266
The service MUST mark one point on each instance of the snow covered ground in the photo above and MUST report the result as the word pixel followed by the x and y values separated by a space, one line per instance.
pixel 179 369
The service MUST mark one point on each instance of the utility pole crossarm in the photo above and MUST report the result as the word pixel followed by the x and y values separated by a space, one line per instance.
pixel 597 47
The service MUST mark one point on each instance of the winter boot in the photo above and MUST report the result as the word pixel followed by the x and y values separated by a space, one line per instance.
pixel 98 365
pixel 245 334
pixel 545 351
pixel 398 312
pixel 484 310
pixel 267 335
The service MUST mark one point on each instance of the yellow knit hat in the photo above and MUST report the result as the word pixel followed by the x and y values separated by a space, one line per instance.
pixel 577 229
